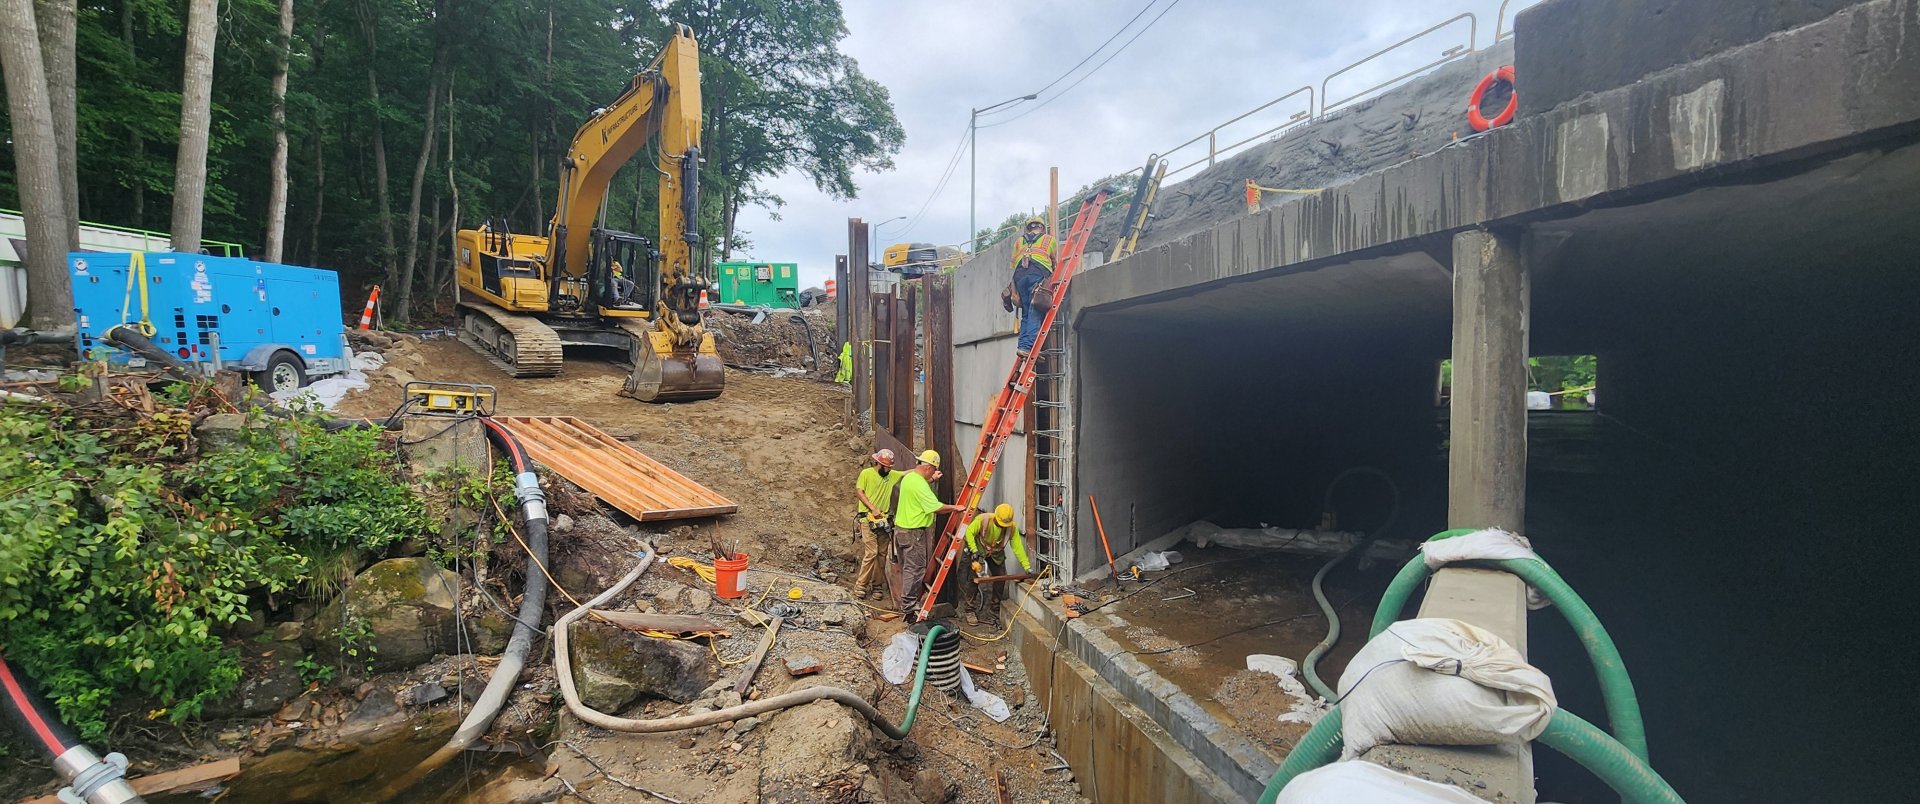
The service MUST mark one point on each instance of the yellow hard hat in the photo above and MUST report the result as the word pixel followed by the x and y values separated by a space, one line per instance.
pixel 930 458
pixel 1033 220
pixel 1003 515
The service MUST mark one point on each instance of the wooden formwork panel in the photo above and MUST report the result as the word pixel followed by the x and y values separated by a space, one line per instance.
pixel 624 477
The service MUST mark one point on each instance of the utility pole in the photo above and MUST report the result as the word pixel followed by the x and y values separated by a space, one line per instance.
pixel 973 167
pixel 873 235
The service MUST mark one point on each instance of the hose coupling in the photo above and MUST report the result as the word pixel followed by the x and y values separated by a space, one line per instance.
pixel 533 501
pixel 92 780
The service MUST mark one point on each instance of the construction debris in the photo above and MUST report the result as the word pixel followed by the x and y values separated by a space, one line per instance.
pixel 802 665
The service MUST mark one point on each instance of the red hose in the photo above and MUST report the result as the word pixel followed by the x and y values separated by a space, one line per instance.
pixel 31 710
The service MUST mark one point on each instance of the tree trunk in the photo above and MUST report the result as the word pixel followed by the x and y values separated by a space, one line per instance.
pixel 35 157
pixel 196 98
pixel 277 195
pixel 319 188
pixel 539 209
pixel 403 302
pixel 135 142
pixel 368 26
pixel 55 20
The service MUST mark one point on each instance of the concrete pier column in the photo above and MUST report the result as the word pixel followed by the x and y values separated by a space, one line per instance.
pixel 1487 457
pixel 1487 454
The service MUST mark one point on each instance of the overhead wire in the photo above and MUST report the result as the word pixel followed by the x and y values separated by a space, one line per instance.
pixel 1103 62
pixel 953 163
pixel 1096 51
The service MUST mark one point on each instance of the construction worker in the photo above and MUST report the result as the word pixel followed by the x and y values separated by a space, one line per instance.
pixel 1032 266
pixel 874 489
pixel 622 286
pixel 989 536
pixel 915 508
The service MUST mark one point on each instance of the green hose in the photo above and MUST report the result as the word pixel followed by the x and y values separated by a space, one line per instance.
pixel 1615 764
pixel 920 677
pixel 1310 666
pixel 1616 686
pixel 1566 732
pixel 1320 746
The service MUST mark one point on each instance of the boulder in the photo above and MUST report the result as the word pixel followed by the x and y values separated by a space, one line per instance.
pixel 271 677
pixel 614 668
pixel 397 614
pixel 226 431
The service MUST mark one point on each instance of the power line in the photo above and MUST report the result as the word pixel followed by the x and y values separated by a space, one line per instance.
pixel 953 162
pixel 1096 51
pixel 1103 62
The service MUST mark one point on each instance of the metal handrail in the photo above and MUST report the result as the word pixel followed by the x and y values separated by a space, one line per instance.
pixel 1212 135
pixel 1500 22
pixel 1473 36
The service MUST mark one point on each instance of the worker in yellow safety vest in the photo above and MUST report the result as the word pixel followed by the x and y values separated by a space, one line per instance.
pixel 914 509
pixel 874 490
pixel 1032 266
pixel 989 536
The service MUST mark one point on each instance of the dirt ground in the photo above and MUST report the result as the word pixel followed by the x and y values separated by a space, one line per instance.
pixel 776 446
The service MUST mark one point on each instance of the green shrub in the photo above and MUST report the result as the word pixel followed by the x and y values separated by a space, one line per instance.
pixel 125 560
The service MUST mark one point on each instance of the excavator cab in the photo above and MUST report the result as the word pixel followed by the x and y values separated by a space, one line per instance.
pixel 623 272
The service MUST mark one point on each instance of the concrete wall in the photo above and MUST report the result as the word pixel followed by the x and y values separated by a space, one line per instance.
pixel 983 341
pixel 1568 48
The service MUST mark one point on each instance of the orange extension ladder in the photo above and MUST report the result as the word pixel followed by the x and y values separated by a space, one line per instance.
pixel 1008 404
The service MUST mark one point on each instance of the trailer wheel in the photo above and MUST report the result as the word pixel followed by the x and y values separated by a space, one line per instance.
pixel 283 373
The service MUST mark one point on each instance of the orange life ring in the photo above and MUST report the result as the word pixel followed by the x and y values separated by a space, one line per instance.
pixel 1480 121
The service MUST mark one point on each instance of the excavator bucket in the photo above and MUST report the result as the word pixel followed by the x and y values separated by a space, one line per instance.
pixel 662 374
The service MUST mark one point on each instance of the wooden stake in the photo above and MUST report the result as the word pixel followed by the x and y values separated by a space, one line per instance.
pixel 759 655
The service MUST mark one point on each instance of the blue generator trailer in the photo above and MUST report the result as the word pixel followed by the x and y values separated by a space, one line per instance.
pixel 281 323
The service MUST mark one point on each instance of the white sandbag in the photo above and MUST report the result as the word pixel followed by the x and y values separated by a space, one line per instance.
pixel 367 361
pixel 1306 707
pixel 1439 681
pixel 1491 544
pixel 1362 781
pixel 323 394
pixel 897 661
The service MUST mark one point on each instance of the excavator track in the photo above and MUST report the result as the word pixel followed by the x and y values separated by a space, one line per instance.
pixel 519 345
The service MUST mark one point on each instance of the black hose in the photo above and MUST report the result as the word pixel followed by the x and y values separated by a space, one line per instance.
pixel 533 607
pixel 133 340
pixel 808 329
pixel 88 776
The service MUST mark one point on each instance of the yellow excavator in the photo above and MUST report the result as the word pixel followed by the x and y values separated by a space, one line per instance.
pixel 523 296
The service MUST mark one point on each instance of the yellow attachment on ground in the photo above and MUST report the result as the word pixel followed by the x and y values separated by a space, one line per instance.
pixel 795 593
pixel 705 571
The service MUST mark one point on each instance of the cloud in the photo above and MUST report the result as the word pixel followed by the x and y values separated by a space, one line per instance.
pixel 1202 64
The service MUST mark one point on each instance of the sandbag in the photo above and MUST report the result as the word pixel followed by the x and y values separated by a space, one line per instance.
pixel 1363 781
pixel 1491 544
pixel 1438 681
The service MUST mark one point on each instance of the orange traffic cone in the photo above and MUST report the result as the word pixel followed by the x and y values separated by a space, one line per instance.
pixel 366 315
pixel 703 301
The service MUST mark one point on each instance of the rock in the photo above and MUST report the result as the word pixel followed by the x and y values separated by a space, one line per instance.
pixel 271 678
pixel 933 788
pixel 489 630
pixel 614 667
pixel 397 614
pixel 253 625
pixel 224 432
pixel 698 600
pixel 746 724
pixel 1016 697
pixel 802 665
pixel 727 700
pixel 424 694
pixel 715 688
pixel 687 742
pixel 806 744
pixel 562 523
pixel 289 632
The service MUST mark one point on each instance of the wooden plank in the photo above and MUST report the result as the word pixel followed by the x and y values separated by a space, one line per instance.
pixel 610 469
pixel 184 780
pixel 760 655
pixel 985 671
pixel 666 623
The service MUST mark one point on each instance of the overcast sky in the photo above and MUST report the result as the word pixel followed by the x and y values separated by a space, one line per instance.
pixel 1203 63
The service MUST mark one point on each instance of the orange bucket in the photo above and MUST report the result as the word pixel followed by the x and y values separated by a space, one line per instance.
pixel 726 575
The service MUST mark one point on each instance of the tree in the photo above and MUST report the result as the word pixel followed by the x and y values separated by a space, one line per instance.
pixel 277 196
pixel 36 157
pixel 779 95
pixel 196 112
pixel 436 81
pixel 55 21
